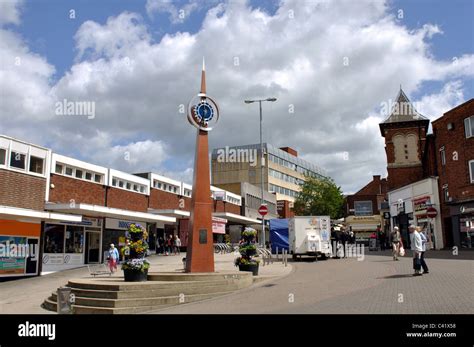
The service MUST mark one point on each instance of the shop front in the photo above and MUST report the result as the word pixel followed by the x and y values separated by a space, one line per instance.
pixel 19 248
pixel 68 245
pixel 462 219
pixel 363 227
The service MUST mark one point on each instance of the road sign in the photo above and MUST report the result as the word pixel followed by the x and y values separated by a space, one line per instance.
pixel 431 212
pixel 263 210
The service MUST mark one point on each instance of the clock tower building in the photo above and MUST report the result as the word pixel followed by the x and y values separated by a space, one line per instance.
pixel 405 132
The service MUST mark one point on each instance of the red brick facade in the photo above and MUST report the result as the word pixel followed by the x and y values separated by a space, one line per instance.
pixel 162 200
pixel 454 176
pixel 22 190
pixel 401 175
pixel 284 210
pixel 67 189
pixel 120 198
pixel 375 191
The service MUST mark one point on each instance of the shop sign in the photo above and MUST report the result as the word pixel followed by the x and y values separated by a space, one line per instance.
pixel 15 252
pixel 218 225
pixel 86 221
pixel 117 224
pixel 420 205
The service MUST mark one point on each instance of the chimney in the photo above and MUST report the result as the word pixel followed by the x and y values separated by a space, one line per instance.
pixel 290 151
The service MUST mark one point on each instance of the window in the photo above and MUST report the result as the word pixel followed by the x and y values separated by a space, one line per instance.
pixel 469 126
pixel 54 239
pixel 128 186
pixel 98 178
pixel 446 193
pixel 68 171
pixel 114 182
pixel 88 176
pixel 18 160
pixel 3 155
pixel 142 189
pixel 121 184
pixel 442 152
pixel 79 173
pixel 74 239
pixel 363 208
pixel 135 187
pixel 471 170
pixel 36 164
pixel 58 169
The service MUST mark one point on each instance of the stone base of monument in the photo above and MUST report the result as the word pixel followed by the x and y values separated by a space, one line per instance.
pixel 114 296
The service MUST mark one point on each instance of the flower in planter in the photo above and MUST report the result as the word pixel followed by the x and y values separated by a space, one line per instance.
pixel 136 248
pixel 247 249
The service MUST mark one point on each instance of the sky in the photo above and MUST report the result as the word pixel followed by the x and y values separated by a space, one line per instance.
pixel 333 66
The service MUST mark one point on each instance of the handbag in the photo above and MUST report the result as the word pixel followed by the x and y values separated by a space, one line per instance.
pixel 402 249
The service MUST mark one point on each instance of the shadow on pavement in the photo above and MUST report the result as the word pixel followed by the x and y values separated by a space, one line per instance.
pixel 395 276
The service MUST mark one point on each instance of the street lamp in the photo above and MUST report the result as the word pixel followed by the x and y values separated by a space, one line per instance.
pixel 261 159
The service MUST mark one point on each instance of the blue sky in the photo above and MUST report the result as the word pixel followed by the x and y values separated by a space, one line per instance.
pixel 296 60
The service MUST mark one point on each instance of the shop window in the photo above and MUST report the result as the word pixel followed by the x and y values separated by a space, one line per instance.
pixel 54 239
pixel 74 239
pixel 58 169
pixel 68 171
pixel 88 176
pixel 18 160
pixel 79 173
pixel 98 178
pixel 3 155
pixel 36 164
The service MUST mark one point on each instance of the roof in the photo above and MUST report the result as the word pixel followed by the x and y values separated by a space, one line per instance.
pixel 403 110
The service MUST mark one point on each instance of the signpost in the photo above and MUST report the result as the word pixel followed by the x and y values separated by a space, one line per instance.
pixel 263 210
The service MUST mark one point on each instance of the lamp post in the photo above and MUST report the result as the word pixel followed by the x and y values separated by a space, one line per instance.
pixel 261 158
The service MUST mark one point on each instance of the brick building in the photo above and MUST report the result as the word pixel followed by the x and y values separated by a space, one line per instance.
pixel 454 149
pixel 72 210
pixel 364 209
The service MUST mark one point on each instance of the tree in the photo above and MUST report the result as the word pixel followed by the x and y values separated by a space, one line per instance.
pixel 319 197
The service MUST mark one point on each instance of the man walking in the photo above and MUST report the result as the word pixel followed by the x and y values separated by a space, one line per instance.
pixel 396 239
pixel 417 248
pixel 424 240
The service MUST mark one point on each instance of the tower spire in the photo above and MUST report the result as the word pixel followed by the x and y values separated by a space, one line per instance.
pixel 203 77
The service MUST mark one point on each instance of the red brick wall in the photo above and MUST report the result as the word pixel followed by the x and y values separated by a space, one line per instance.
pixel 66 188
pixel 456 172
pixel 401 176
pixel 284 210
pixel 162 200
pixel 220 206
pixel 360 197
pixel 22 190
pixel 119 198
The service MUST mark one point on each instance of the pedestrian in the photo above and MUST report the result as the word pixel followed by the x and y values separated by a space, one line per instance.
pixel 424 241
pixel 396 241
pixel 382 240
pixel 417 248
pixel 157 245
pixel 352 236
pixel 169 245
pixel 177 245
pixel 113 258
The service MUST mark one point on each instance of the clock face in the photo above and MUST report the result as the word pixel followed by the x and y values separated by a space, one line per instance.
pixel 204 112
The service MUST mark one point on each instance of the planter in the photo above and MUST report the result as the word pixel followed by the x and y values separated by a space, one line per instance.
pixel 135 276
pixel 253 268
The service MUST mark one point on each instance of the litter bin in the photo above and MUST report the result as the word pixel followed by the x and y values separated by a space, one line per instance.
pixel 64 300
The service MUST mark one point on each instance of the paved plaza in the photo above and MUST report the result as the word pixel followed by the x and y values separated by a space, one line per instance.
pixel 375 285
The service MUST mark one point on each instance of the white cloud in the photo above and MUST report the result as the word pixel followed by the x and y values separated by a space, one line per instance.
pixel 176 14
pixel 10 11
pixel 296 55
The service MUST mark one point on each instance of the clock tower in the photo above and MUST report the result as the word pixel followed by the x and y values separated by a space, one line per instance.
pixel 405 138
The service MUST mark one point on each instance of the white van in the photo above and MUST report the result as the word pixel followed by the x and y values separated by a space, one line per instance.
pixel 310 235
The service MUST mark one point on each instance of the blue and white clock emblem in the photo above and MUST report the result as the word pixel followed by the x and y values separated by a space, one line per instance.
pixel 203 111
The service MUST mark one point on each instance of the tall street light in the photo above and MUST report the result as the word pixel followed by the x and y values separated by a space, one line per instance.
pixel 261 158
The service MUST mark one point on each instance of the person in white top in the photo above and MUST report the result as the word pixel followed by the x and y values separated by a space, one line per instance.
pixel 417 248
pixel 424 241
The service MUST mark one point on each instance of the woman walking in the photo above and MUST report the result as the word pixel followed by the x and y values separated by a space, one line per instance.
pixel 396 240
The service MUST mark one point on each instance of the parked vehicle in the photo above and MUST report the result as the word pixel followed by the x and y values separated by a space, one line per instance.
pixel 310 235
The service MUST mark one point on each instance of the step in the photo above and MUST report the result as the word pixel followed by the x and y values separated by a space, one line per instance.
pixel 143 307
pixel 187 289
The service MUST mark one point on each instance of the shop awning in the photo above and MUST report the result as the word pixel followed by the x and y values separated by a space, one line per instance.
pixel 102 211
pixel 171 213
pixel 8 212
pixel 236 218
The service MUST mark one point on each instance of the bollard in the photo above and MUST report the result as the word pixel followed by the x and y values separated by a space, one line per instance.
pixel 64 300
